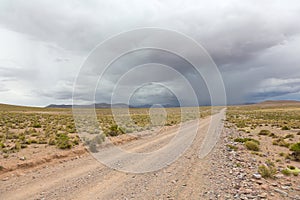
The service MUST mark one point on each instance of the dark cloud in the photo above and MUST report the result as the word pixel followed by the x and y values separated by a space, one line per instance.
pixel 252 42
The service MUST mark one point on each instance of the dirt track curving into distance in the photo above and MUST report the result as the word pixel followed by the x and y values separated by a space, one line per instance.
pixel 86 178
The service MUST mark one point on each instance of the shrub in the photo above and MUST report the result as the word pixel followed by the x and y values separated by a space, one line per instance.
pixel 231 147
pixel 270 163
pixel 51 141
pixel 93 147
pixel 114 130
pixel 243 140
pixel 298 133
pixel 253 146
pixel 42 141
pixel 17 146
pixel 295 147
pixel 36 125
pixel 99 139
pixel 286 172
pixel 289 136
pixel 264 132
pixel 281 154
pixel 296 151
pixel 267 171
pixel 63 142
pixel 241 124
pixel 273 135
pixel 285 128
pixel 291 170
pixel 1 167
pixel 281 142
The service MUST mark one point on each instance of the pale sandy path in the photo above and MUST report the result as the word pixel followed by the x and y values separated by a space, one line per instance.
pixel 86 178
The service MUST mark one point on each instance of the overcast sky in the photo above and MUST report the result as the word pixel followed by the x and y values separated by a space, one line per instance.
pixel 255 44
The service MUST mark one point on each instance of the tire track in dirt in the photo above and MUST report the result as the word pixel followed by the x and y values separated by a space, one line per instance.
pixel 85 178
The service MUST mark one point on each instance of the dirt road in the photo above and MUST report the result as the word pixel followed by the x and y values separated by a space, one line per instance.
pixel 86 178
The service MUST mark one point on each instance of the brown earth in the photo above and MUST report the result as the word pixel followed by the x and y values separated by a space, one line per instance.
pixel 82 177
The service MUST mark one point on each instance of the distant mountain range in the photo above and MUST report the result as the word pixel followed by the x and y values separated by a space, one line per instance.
pixel 106 105
pixel 279 103
pixel 97 105
pixel 122 105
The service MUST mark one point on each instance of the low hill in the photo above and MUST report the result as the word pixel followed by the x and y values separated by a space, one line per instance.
pixel 279 103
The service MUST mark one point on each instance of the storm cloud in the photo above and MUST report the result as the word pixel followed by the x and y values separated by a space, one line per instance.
pixel 255 45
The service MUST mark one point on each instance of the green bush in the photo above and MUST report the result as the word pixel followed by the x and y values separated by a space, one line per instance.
pixel 286 172
pixel 114 130
pixel 296 151
pixel 291 170
pixel 63 141
pixel 267 171
pixel 253 146
pixel 264 132
pixel 295 147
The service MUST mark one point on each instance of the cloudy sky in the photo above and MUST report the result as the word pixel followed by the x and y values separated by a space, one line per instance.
pixel 255 45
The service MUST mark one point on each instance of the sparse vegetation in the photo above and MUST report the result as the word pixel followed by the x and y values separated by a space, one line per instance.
pixel 114 130
pixel 286 172
pixel 296 151
pixel 232 147
pixel 279 124
pixel 63 141
pixel 258 116
pixel 267 171
pixel 285 128
pixel 253 146
pixel 264 132
pixel 280 142
pixel 25 127
pixel 243 140
pixel 289 136
pixel 291 170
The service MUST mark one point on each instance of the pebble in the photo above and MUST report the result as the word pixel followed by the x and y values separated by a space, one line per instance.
pixel 285 187
pixel 256 176
pixel 283 193
pixel 22 158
